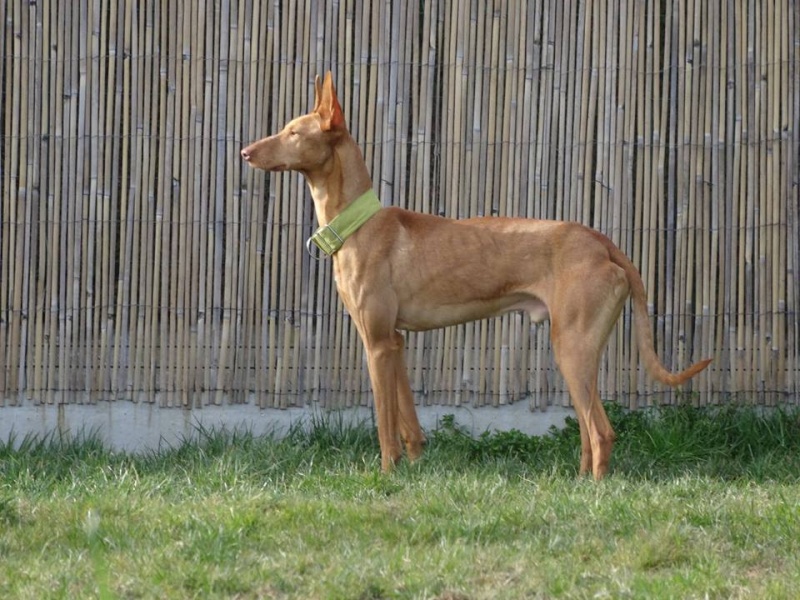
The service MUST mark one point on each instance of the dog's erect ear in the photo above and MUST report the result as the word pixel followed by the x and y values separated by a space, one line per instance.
pixel 317 93
pixel 328 107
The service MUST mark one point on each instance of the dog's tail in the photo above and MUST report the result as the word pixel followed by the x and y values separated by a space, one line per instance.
pixel 644 331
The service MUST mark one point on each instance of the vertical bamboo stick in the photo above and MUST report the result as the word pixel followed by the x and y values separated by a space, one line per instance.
pixel 194 206
pixel 788 114
pixel 649 142
pixel 301 258
pixel 10 182
pixel 253 130
pixel 725 339
pixel 703 182
pixel 14 360
pixel 121 351
pixel 239 353
pixel 623 219
pixel 40 177
pixel 182 325
pixel 749 211
pixel 161 363
pixel 643 152
pixel 91 279
pixel 5 201
pixel 73 214
pixel 738 195
pixel 694 183
pixel 777 215
pixel 310 317
pixel 147 276
pixel 565 21
pixel 714 337
pixel 668 209
pixel 661 93
pixel 109 197
pixel 589 111
pixel 792 113
pixel 761 215
pixel 225 212
pixel 137 215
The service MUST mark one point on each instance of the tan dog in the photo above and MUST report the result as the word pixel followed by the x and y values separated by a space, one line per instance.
pixel 401 270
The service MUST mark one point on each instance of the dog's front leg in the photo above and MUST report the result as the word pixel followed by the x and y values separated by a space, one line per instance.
pixel 382 362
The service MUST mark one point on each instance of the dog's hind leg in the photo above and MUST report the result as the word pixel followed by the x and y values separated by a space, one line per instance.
pixel 586 444
pixel 581 323
pixel 579 367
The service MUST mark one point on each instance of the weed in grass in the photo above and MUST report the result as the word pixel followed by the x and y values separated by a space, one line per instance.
pixel 728 442
pixel 9 514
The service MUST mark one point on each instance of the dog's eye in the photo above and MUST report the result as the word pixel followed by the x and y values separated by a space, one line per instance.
pixel 293 133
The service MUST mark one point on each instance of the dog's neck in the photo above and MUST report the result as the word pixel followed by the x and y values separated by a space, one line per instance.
pixel 342 179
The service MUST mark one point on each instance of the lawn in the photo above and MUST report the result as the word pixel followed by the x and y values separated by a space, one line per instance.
pixel 700 503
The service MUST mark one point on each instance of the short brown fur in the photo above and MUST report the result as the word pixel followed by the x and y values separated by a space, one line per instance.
pixel 409 271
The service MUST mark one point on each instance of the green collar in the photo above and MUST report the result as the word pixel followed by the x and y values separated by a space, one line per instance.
pixel 331 237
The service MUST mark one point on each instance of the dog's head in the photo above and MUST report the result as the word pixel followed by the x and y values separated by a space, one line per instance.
pixel 305 143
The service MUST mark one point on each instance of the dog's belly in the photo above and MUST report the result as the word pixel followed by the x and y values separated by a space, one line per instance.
pixel 416 317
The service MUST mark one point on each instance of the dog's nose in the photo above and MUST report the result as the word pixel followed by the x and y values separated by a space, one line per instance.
pixel 245 155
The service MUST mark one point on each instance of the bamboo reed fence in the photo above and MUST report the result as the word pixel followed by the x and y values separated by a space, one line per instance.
pixel 141 260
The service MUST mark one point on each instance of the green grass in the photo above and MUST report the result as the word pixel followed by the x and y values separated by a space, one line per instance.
pixel 700 503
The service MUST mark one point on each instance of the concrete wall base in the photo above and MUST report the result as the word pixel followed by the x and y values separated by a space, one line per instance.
pixel 131 427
